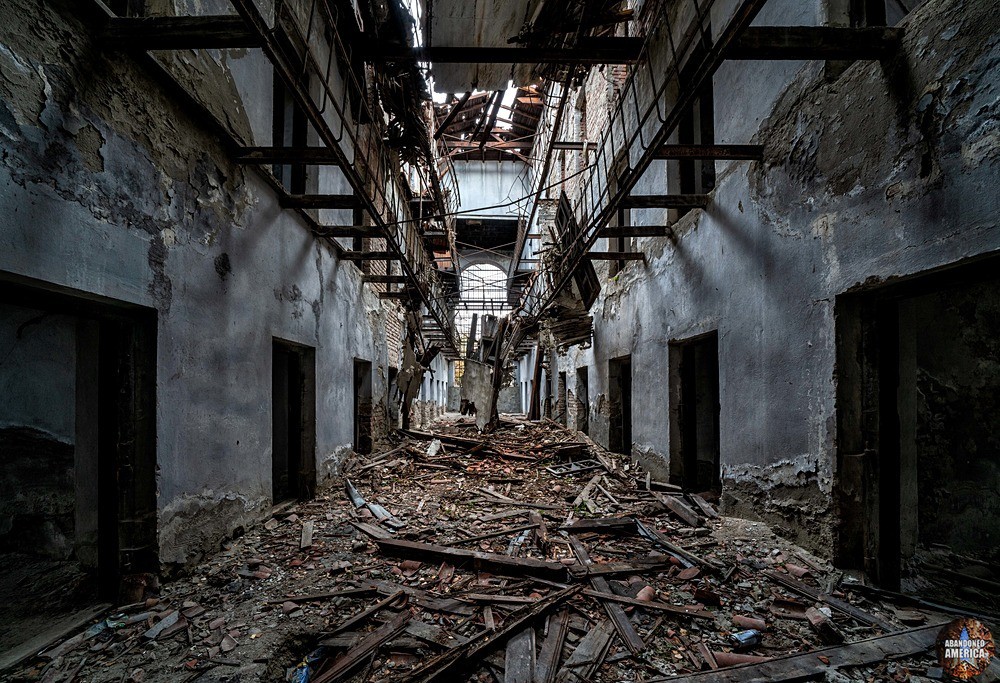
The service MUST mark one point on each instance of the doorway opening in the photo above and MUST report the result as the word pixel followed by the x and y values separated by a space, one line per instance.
pixel 918 463
pixel 620 400
pixel 694 413
pixel 293 422
pixel 78 472
pixel 582 400
pixel 562 409
pixel 362 406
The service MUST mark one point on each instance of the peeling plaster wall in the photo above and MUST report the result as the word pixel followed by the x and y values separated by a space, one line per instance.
pixel 887 171
pixel 109 187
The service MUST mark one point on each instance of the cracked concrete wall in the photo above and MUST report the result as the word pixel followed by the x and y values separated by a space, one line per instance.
pixel 111 187
pixel 887 171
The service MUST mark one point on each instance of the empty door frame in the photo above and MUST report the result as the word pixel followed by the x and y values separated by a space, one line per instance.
pixel 694 412
pixel 293 421
pixel 620 401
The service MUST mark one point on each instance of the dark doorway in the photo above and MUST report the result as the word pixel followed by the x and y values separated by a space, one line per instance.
pixel 293 422
pixel 362 406
pixel 78 472
pixel 563 405
pixel 582 400
pixel 918 399
pixel 620 399
pixel 694 413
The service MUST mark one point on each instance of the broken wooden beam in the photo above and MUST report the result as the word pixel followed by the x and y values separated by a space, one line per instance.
pixel 835 603
pixel 360 652
pixel 665 201
pixel 445 665
pixel 547 662
pixel 809 665
pixel 492 534
pixel 815 42
pixel 636 231
pixel 680 509
pixel 209 32
pixel 602 525
pixel 519 659
pixel 492 562
pixel 656 605
pixel 314 156
pixel 615 612
pixel 588 656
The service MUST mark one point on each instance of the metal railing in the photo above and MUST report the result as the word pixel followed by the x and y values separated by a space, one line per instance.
pixel 303 41
pixel 679 54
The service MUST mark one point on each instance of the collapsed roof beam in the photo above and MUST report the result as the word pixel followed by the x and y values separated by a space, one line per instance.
pixel 616 51
pixel 815 42
pixel 451 115
pixel 180 33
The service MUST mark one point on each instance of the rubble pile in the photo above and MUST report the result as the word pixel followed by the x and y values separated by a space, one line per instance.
pixel 529 555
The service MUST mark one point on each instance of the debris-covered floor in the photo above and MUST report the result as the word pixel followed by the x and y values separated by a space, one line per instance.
pixel 531 556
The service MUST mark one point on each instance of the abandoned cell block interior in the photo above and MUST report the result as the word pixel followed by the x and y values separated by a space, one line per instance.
pixel 497 340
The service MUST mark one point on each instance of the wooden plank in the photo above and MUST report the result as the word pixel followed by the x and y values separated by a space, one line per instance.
pixel 365 647
pixel 704 505
pixel 541 535
pixel 306 539
pixel 432 633
pixel 492 534
pixel 425 599
pixel 311 597
pixel 376 532
pixel 815 594
pixel 313 156
pixel 57 631
pixel 808 665
pixel 679 508
pixel 815 42
pixel 208 32
pixel 519 659
pixel 499 598
pixel 547 663
pixel 665 201
pixel 636 231
pixel 692 612
pixel 603 525
pixel 492 562
pixel 586 659
pixel 444 666
pixel 363 615
pixel 623 625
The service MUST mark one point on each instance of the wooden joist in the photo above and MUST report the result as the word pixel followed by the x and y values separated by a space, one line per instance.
pixel 369 256
pixel 616 255
pixel 400 296
pixel 492 562
pixel 680 509
pixel 815 42
pixel 665 201
pixel 320 201
pixel 316 156
pixel 179 33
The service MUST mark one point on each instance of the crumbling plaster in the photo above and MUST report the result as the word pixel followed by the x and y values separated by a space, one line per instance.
pixel 888 170
pixel 111 188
